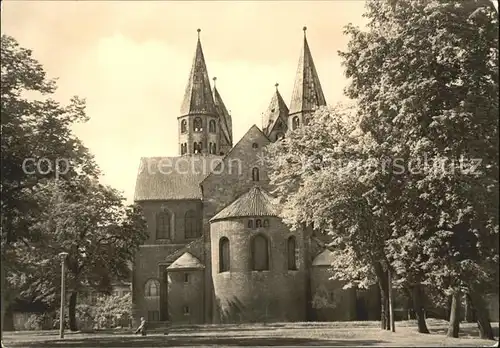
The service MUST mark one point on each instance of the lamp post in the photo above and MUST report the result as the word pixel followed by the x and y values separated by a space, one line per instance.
pixel 62 256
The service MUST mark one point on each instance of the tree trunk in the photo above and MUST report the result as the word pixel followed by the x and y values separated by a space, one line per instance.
pixel 2 291
pixel 384 298
pixel 418 308
pixel 469 311
pixel 454 323
pixel 483 321
pixel 391 304
pixel 72 311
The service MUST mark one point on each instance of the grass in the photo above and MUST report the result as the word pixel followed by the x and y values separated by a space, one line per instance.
pixel 281 334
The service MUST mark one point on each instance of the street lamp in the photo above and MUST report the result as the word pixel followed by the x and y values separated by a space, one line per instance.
pixel 62 256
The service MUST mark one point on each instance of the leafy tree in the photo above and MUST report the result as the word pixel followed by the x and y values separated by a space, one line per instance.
pixel 323 174
pixel 32 129
pixel 89 222
pixel 51 200
pixel 425 76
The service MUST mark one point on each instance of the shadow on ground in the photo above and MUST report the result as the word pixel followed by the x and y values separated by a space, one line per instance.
pixel 466 331
pixel 190 341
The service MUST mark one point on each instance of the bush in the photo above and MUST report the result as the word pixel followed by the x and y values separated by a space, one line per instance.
pixel 39 321
pixel 113 311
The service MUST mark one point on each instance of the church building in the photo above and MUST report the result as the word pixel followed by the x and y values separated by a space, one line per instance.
pixel 218 251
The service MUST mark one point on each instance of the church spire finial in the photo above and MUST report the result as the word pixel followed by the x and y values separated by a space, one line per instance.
pixel 276 85
pixel 215 79
pixel 305 29
pixel 198 30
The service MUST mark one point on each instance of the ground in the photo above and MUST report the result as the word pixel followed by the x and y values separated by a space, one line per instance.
pixel 287 334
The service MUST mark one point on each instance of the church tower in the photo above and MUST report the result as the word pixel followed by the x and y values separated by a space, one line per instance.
pixel 225 123
pixel 275 122
pixel 199 120
pixel 307 93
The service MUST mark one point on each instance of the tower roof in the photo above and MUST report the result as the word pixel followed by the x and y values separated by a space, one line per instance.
pixel 226 121
pixel 277 110
pixel 255 202
pixel 307 92
pixel 198 97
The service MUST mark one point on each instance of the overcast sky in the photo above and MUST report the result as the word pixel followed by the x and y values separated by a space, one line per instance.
pixel 131 61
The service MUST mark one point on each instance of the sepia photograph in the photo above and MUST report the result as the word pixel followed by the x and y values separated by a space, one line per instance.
pixel 249 173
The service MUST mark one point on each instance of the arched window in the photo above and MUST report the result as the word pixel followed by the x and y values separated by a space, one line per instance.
pixel 280 136
pixel 258 223
pixel 191 224
pixel 152 288
pixel 183 149
pixel 197 147
pixel 290 251
pixel 255 145
pixel 250 223
pixel 214 148
pixel 266 222
pixel 198 125
pixel 211 126
pixel 295 122
pixel 260 253
pixel 163 225
pixel 183 126
pixel 224 260
pixel 255 174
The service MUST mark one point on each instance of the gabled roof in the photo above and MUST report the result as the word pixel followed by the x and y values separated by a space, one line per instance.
pixel 324 259
pixel 173 178
pixel 277 111
pixel 198 98
pixel 186 261
pixel 195 247
pixel 307 92
pixel 255 202
pixel 225 119
pixel 252 133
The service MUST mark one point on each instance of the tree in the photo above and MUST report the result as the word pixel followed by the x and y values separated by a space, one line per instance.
pixel 89 222
pixel 323 173
pixel 34 132
pixel 426 72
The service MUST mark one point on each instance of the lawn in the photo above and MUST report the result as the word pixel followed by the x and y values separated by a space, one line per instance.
pixel 286 334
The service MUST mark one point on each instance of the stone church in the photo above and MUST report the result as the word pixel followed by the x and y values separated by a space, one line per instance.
pixel 218 251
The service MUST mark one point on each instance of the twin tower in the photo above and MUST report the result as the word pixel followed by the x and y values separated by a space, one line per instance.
pixel 205 125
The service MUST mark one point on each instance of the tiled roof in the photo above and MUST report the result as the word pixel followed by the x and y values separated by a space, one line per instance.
pixel 307 92
pixel 195 247
pixel 226 121
pixel 173 178
pixel 255 202
pixel 198 98
pixel 277 110
pixel 324 259
pixel 186 261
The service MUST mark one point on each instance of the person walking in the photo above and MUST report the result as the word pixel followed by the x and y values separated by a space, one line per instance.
pixel 142 327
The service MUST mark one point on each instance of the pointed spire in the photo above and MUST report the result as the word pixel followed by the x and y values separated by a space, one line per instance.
pixel 307 92
pixel 226 122
pixel 198 98
pixel 276 112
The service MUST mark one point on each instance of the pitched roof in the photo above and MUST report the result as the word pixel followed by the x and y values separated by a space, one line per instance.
pixel 307 92
pixel 277 110
pixel 173 178
pixel 225 119
pixel 251 133
pixel 186 261
pixel 195 247
pixel 324 259
pixel 255 202
pixel 198 98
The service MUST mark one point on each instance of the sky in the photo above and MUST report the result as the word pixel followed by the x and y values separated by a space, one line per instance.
pixel 131 60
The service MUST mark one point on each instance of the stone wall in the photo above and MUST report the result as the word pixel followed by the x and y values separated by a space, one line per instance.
pixel 243 295
pixel 185 297
pixel 330 301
